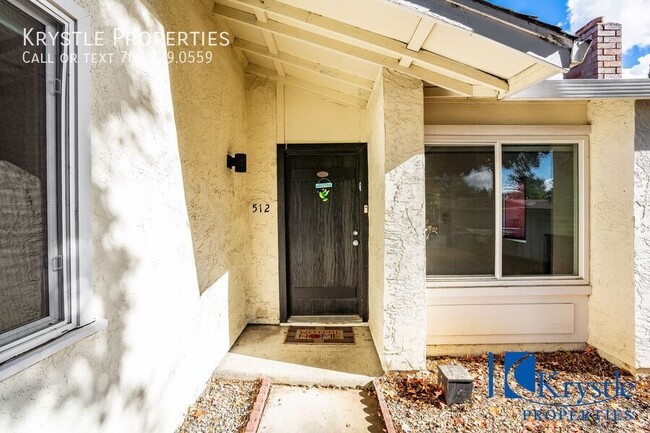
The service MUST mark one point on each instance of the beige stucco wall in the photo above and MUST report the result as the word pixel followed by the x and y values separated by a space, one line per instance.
pixel 169 224
pixel 376 214
pixel 282 114
pixel 642 233
pixel 398 172
pixel 262 290
pixel 611 305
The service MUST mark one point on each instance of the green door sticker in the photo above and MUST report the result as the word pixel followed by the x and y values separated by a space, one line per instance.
pixel 324 187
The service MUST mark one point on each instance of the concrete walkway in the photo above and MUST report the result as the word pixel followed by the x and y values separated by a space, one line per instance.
pixel 260 352
pixel 320 410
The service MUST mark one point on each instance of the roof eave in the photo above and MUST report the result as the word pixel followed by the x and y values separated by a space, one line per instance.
pixel 585 90
pixel 517 31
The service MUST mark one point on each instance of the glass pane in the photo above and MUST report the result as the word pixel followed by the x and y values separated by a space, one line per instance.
pixel 540 210
pixel 23 181
pixel 460 210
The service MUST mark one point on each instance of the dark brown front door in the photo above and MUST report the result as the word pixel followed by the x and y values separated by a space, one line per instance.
pixel 325 229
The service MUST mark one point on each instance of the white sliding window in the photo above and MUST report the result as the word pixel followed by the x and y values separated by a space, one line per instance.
pixel 31 290
pixel 44 179
pixel 505 210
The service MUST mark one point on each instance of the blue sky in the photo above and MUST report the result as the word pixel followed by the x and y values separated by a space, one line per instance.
pixel 550 11
pixel 559 12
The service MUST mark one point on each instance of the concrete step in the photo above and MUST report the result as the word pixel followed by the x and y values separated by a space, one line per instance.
pixel 260 351
pixel 295 409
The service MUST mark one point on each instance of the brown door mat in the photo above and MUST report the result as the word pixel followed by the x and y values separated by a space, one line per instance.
pixel 320 335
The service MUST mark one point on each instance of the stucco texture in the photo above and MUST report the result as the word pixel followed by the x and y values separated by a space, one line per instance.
pixel 170 225
pixel 396 172
pixel 642 233
pixel 611 305
pixel 303 118
pixel 376 215
pixel 262 290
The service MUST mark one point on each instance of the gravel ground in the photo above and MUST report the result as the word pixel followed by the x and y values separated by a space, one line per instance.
pixel 415 407
pixel 223 407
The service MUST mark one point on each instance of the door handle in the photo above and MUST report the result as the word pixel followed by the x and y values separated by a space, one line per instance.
pixel 355 243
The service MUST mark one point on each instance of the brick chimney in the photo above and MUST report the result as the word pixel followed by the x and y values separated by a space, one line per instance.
pixel 605 55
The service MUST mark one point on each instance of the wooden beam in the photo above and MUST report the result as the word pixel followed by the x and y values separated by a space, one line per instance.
pixel 529 76
pixel 437 92
pixel 261 71
pixel 406 62
pixel 345 48
pixel 280 112
pixel 432 93
pixel 269 39
pixel 308 86
pixel 420 35
pixel 273 48
pixel 326 92
pixel 379 42
pixel 302 63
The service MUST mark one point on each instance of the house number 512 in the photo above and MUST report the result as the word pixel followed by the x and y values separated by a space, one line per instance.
pixel 261 208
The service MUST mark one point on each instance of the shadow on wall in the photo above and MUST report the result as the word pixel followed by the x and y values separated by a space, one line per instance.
pixel 89 376
pixel 89 371
pixel 209 106
pixel 209 102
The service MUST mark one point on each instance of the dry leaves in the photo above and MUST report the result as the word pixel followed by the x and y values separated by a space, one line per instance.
pixel 414 408
pixel 495 410
pixel 421 388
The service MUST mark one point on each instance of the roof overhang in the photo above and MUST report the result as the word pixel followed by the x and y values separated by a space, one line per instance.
pixel 469 48
pixel 585 89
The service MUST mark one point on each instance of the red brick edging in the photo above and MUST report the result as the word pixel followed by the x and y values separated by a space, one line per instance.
pixel 258 407
pixel 388 420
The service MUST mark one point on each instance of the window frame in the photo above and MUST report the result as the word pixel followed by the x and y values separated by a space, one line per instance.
pixel 497 136
pixel 69 175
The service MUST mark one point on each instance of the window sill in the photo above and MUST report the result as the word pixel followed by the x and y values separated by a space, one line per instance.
pixel 520 283
pixel 492 291
pixel 39 353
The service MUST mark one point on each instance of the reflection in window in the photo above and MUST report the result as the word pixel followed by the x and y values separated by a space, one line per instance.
pixel 460 210
pixel 29 296
pixel 539 199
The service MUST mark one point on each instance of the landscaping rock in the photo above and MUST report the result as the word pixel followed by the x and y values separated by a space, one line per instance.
pixel 223 407
pixel 408 396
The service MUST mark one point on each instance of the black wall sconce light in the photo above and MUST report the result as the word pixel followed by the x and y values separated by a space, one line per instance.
pixel 238 161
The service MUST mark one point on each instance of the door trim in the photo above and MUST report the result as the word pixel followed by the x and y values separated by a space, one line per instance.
pixel 311 149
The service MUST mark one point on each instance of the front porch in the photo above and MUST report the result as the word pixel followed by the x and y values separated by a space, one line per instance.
pixel 187 255
pixel 260 351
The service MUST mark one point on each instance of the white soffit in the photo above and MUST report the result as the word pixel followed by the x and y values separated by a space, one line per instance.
pixel 472 49
pixel 328 58
pixel 247 33
pixel 379 17
pixel 341 45
pixel 259 60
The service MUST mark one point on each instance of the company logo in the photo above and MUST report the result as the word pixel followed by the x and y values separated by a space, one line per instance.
pixel 570 399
